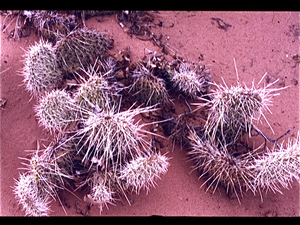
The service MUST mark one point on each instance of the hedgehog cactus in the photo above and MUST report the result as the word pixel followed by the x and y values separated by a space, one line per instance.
pixel 41 72
pixel 148 89
pixel 79 48
pixel 254 170
pixel 35 187
pixel 56 110
pixel 221 167
pixel 276 169
pixel 233 110
pixel 43 178
pixel 30 197
pixel 141 171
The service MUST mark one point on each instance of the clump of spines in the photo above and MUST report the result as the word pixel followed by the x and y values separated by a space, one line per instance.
pixel 141 171
pixel 41 72
pixel 80 48
pixel 101 192
pixel 111 137
pixel 190 79
pixel 56 110
pixel 96 92
pixel 52 25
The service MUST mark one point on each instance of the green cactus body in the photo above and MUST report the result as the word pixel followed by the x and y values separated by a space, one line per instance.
pixel 79 48
pixel 149 89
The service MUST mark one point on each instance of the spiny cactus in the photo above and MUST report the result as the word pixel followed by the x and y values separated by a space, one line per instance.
pixel 96 92
pixel 41 72
pixel 233 110
pixel 111 137
pixel 56 110
pixel 147 88
pixel 221 167
pixel 275 169
pixel 79 48
pixel 53 25
pixel 141 171
pixel 48 175
pixel 101 192
pixel 38 184
pixel 29 195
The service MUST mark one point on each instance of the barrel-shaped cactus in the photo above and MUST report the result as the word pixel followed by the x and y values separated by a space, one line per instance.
pixel 80 48
pixel 41 72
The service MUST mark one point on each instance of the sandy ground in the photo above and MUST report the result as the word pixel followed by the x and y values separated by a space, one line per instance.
pixel 260 42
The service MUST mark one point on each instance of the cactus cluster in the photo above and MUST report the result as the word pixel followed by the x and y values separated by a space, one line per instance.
pixel 101 143
pixel 97 137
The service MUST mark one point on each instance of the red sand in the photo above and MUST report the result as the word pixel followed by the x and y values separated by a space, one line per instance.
pixel 259 41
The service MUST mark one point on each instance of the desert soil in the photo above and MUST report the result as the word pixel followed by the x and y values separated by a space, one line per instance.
pixel 260 42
